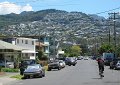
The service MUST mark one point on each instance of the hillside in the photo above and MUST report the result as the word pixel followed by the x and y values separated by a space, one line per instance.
pixel 58 23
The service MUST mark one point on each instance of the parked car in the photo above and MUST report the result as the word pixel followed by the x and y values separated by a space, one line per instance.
pixel 113 63
pixel 117 66
pixel 9 64
pixel 2 63
pixel 86 58
pixel 79 58
pixel 54 65
pixel 27 62
pixel 62 63
pixel 71 61
pixel 34 70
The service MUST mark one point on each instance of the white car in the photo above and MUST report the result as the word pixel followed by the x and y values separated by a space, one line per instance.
pixel 8 64
pixel 86 58
pixel 62 63
pixel 117 66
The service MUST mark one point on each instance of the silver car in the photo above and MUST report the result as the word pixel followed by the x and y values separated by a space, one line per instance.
pixel 117 66
pixel 35 70
pixel 62 63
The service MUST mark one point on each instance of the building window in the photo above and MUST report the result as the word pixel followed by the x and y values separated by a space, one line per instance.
pixel 26 41
pixel 26 54
pixel 32 42
pixel 46 38
pixel 22 41
pixel 17 40
pixel 32 54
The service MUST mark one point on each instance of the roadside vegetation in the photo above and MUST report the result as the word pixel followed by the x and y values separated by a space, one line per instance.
pixel 17 76
pixel 108 48
pixel 73 51
pixel 9 70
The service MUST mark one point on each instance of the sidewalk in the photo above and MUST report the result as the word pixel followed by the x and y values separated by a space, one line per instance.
pixel 6 80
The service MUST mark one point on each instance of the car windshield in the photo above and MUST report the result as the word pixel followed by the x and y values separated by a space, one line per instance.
pixel 33 66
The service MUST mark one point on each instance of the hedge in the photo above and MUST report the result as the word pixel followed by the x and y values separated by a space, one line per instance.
pixel 9 70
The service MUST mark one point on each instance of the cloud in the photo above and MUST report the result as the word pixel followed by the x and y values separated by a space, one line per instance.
pixel 7 8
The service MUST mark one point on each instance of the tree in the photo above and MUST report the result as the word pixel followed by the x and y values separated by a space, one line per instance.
pixel 118 51
pixel 40 54
pixel 106 48
pixel 75 50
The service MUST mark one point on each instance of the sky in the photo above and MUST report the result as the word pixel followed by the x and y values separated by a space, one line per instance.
pixel 85 6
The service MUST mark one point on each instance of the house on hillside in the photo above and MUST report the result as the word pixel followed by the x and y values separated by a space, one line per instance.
pixel 45 44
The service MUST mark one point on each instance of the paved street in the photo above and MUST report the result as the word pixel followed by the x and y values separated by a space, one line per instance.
pixel 84 73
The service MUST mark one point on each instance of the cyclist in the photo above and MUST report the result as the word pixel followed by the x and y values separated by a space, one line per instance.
pixel 100 65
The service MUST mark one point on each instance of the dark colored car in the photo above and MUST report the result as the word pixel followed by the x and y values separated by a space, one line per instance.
pixel 54 65
pixel 35 70
pixel 107 61
pixel 113 63
pixel 2 63
pixel 27 62
pixel 71 61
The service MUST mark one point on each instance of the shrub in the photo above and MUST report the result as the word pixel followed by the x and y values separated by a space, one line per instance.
pixel 43 62
pixel 0 68
pixel 9 70
pixel 17 76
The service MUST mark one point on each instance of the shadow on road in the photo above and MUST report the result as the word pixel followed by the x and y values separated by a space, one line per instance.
pixel 118 82
pixel 96 78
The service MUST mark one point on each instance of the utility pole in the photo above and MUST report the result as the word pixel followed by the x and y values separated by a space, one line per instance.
pixel 114 22
pixel 109 41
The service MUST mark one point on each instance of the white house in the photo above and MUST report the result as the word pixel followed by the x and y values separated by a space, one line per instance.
pixel 29 44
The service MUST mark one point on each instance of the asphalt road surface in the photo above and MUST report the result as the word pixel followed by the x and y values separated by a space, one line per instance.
pixel 84 73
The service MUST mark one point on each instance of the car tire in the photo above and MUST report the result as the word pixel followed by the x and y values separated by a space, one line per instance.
pixel 40 76
pixel 58 68
pixel 49 69
pixel 115 68
pixel 73 64
pixel 26 77
pixel 43 74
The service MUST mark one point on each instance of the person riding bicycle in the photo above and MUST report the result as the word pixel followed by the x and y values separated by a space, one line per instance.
pixel 100 64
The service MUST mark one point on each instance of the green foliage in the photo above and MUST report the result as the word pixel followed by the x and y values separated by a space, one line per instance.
pixel 46 68
pixel 44 58
pixel 17 76
pixel 0 68
pixel 72 51
pixel 75 50
pixel 66 54
pixel 9 70
pixel 118 51
pixel 106 48
pixel 40 54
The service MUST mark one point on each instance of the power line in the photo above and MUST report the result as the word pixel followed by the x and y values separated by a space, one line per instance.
pixel 108 10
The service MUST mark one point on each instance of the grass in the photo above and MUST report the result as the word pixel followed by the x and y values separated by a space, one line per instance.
pixel 17 76
pixel 46 68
